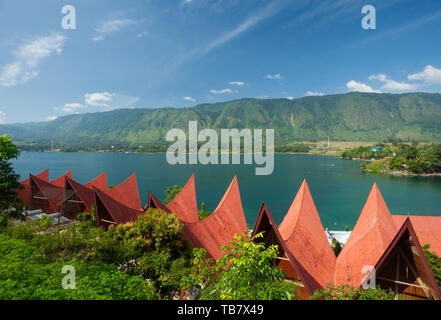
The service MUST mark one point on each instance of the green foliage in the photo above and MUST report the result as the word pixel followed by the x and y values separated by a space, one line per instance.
pixel 248 273
pixel 8 178
pixel 345 292
pixel 434 263
pixel 171 192
pixel 336 247
pixel 24 274
pixel 353 116
pixel 203 272
pixel 203 213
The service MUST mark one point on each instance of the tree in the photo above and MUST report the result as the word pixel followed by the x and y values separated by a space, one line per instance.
pixel 8 178
pixel 171 192
pixel 249 273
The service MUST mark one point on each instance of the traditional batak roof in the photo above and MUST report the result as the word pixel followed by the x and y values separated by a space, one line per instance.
pixel 220 227
pixel 404 253
pixel 184 205
pixel 127 193
pixel 51 194
pixel 306 243
pixel 372 234
pixel 85 192
pixel 153 202
pixel 60 181
pixel 109 209
pixel 428 230
pixel 25 193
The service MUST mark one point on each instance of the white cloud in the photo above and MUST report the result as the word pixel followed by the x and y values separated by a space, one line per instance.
pixel 360 87
pixel 142 34
pixel 227 90
pixel 290 98
pixel 273 76
pixel 72 107
pixel 2 117
pixel 314 93
pixel 392 85
pixel 28 56
pixel 264 96
pixel 430 75
pixel 112 26
pixel 187 98
pixel 236 83
pixel 99 99
pixel 50 118
pixel 109 101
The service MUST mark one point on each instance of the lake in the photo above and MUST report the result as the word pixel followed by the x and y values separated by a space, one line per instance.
pixel 338 186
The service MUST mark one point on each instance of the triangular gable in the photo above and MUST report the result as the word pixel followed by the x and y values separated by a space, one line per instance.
pixel 427 228
pixel 154 203
pixel 85 194
pixel 60 181
pixel 24 193
pixel 127 193
pixel 220 227
pixel 99 182
pixel 404 262
pixel 46 196
pixel 184 205
pixel 306 241
pixel 112 210
pixel 372 234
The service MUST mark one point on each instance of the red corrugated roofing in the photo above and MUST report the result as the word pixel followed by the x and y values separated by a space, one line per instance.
pixel 99 182
pixel 407 233
pixel 428 230
pixel 372 234
pixel 127 193
pixel 53 193
pixel 220 227
pixel 184 205
pixel 153 202
pixel 119 212
pixel 306 241
pixel 60 181
pixel 25 193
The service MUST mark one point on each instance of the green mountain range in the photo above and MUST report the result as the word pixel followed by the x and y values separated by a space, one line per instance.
pixel 344 117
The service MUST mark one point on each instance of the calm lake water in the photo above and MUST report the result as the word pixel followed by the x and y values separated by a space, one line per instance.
pixel 338 186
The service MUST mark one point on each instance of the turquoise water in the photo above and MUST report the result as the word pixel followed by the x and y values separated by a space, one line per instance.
pixel 338 186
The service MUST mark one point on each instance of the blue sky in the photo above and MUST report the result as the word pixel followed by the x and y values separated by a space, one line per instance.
pixel 180 53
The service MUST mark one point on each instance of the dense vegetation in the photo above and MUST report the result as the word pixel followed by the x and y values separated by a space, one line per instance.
pixel 342 117
pixel 412 158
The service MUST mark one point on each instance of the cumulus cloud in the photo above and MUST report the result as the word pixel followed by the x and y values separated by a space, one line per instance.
pixel 187 98
pixel 360 87
pixel 290 98
pixel 429 75
pixel 314 93
pixel 227 90
pixel 112 26
pixel 109 100
pixel 28 56
pixel 392 85
pixel 236 83
pixel 73 107
pixel 273 76
pixel 50 118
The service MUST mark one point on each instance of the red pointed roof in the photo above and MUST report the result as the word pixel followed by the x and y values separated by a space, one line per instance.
pixel 53 193
pixel 119 212
pixel 86 194
pixel 99 182
pixel 306 241
pixel 407 233
pixel 220 227
pixel 427 228
pixel 60 181
pixel 153 202
pixel 372 234
pixel 184 205
pixel 127 193
pixel 25 193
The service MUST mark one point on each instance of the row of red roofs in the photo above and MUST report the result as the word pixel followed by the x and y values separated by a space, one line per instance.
pixel 305 253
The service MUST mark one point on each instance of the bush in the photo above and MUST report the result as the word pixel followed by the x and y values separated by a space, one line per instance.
pixel 345 292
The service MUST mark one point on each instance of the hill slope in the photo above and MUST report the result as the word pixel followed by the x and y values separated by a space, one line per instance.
pixel 345 117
